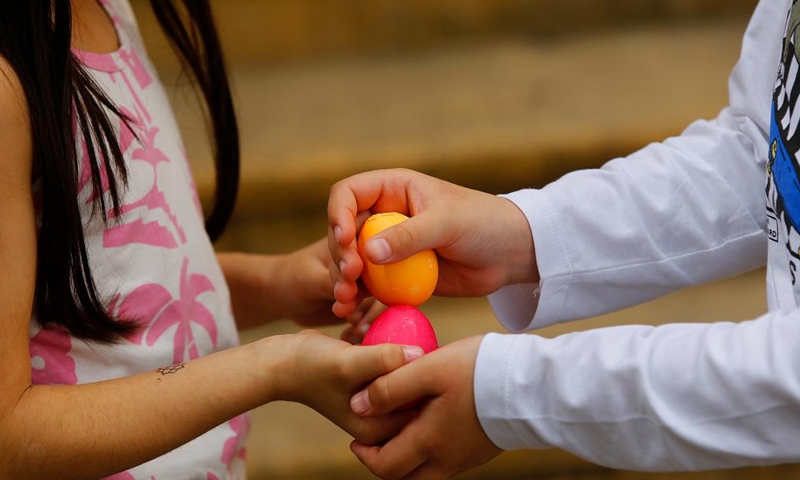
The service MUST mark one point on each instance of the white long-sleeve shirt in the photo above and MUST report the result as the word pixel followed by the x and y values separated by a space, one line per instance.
pixel 678 213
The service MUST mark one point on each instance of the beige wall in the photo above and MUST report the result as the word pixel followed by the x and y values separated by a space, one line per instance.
pixel 269 30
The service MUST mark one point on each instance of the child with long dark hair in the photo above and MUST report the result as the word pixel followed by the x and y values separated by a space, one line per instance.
pixel 119 353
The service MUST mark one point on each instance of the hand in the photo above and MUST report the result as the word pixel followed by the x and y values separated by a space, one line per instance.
pixel 483 241
pixel 324 373
pixel 307 290
pixel 293 286
pixel 445 438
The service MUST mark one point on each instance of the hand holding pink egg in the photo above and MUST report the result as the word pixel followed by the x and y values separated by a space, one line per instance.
pixel 403 325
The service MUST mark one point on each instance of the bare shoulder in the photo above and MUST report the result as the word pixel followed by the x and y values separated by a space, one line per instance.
pixel 15 131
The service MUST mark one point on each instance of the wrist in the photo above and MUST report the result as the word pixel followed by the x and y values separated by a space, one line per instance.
pixel 272 359
pixel 521 265
pixel 251 279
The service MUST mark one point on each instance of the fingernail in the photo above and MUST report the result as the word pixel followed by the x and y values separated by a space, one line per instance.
pixel 360 402
pixel 412 353
pixel 342 264
pixel 337 232
pixel 380 249
pixel 336 286
pixel 363 328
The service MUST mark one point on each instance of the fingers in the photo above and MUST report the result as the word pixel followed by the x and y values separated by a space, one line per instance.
pixel 345 269
pixel 393 391
pixel 405 456
pixel 347 199
pixel 377 191
pixel 351 335
pixel 345 263
pixel 373 361
pixel 379 430
pixel 395 460
pixel 361 319
pixel 344 276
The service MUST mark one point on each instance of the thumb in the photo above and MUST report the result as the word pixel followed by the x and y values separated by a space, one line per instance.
pixel 422 232
pixel 394 391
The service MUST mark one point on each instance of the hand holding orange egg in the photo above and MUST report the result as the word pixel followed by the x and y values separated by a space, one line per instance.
pixel 407 282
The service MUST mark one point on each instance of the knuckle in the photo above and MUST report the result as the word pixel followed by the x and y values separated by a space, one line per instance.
pixel 391 358
pixel 341 371
pixel 429 447
pixel 380 393
pixel 406 236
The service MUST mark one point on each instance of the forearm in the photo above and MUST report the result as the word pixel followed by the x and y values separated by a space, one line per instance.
pixel 680 212
pixel 675 214
pixel 89 431
pixel 674 397
pixel 253 288
pixel 294 286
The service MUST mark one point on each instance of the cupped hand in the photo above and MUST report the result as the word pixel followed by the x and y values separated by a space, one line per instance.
pixel 445 437
pixel 483 241
pixel 324 373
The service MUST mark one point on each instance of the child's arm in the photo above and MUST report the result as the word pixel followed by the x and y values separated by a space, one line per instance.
pixel 676 397
pixel 94 430
pixel 668 398
pixel 52 431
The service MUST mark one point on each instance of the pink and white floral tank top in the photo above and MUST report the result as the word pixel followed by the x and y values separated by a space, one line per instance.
pixel 154 263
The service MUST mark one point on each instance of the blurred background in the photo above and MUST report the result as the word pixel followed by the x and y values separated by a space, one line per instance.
pixel 492 94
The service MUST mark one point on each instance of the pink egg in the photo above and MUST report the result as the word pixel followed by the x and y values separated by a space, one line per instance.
pixel 402 325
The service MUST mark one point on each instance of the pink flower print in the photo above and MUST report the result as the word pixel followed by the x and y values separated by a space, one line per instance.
pixel 149 233
pixel 138 232
pixel 50 360
pixel 134 61
pixel 154 198
pixel 211 476
pixel 235 446
pixel 126 135
pixel 153 304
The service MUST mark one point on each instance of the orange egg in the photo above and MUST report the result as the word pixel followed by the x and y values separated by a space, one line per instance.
pixel 407 282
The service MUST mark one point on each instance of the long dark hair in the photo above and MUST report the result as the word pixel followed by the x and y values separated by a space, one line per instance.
pixel 35 39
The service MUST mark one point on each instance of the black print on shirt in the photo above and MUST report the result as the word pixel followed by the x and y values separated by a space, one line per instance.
pixel 783 169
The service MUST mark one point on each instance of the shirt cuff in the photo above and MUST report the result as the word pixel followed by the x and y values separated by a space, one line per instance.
pixel 535 305
pixel 495 397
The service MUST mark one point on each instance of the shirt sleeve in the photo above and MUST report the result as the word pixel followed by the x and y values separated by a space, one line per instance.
pixel 666 398
pixel 677 213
